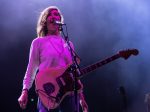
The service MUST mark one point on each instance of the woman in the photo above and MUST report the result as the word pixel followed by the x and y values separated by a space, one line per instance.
pixel 49 50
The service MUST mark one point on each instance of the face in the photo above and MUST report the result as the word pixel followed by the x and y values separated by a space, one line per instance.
pixel 53 16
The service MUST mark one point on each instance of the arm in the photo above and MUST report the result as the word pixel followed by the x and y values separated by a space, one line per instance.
pixel 82 99
pixel 81 96
pixel 30 74
pixel 83 103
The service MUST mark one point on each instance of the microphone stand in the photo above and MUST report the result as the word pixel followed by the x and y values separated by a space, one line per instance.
pixel 124 98
pixel 75 67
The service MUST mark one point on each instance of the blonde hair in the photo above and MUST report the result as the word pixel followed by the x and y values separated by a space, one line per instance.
pixel 41 24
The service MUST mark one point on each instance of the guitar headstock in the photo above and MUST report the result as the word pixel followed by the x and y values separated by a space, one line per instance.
pixel 127 53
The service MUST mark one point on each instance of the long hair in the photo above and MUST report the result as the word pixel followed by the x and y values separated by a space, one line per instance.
pixel 41 24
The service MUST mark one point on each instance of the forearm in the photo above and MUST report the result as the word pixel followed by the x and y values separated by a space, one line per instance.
pixel 83 102
pixel 81 96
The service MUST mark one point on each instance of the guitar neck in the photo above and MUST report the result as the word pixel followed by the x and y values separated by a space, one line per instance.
pixel 98 64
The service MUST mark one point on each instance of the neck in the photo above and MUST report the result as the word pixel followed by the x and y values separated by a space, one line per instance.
pixel 57 33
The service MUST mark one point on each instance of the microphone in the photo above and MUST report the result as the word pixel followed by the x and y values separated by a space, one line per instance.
pixel 59 23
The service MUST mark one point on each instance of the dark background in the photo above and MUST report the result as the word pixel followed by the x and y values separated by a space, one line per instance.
pixel 98 29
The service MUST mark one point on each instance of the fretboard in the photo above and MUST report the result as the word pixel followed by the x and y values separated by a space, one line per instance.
pixel 98 64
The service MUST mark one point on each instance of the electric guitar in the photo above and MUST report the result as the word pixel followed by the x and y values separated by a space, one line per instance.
pixel 53 84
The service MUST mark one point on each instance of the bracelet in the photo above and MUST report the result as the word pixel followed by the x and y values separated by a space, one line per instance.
pixel 25 90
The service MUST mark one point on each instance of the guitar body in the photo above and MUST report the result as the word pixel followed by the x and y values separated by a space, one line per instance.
pixel 53 84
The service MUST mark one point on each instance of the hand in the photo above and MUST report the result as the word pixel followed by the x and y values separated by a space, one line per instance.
pixel 83 103
pixel 23 99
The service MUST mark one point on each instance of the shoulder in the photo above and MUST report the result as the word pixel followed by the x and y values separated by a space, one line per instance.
pixel 71 43
pixel 38 40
